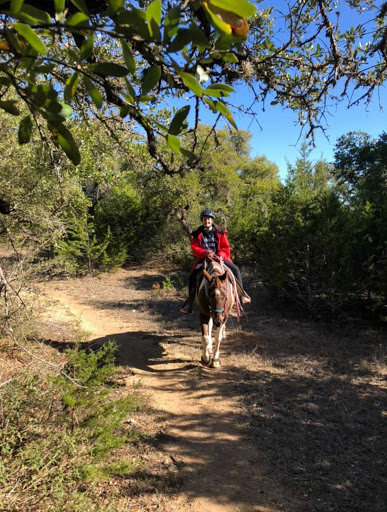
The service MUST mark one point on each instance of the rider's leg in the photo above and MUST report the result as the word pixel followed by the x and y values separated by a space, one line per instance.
pixel 235 270
pixel 245 299
pixel 188 305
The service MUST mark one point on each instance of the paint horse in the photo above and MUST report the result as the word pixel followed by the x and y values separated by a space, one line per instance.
pixel 214 300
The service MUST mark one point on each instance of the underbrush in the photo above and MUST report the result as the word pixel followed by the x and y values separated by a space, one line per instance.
pixel 60 438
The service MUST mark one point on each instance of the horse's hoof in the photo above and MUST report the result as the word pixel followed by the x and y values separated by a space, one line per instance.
pixel 206 363
pixel 215 363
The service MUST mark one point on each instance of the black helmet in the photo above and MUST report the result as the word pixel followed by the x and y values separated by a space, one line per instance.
pixel 207 213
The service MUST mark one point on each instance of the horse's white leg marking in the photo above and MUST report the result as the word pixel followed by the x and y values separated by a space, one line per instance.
pixel 218 338
pixel 207 342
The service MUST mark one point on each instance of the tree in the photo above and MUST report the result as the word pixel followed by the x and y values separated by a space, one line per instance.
pixel 126 60
pixel 361 166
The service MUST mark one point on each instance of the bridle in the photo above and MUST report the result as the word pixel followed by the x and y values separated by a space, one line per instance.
pixel 216 310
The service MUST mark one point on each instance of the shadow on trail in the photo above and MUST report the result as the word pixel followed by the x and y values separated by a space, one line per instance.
pixel 311 435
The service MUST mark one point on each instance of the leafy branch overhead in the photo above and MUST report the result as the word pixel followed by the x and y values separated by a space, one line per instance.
pixel 157 64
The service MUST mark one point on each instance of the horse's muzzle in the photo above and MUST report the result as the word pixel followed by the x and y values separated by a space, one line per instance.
pixel 218 320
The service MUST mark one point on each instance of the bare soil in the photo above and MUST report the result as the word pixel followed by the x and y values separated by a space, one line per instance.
pixel 293 421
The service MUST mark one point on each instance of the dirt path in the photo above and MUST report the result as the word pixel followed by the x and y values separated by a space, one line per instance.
pixel 220 471
pixel 222 463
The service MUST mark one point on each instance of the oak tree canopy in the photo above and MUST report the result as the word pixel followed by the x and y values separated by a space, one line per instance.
pixel 127 62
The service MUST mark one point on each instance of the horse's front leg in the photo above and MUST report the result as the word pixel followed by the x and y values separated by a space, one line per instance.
pixel 220 334
pixel 206 324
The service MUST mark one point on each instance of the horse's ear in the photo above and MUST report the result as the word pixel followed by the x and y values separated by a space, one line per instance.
pixel 223 277
pixel 207 275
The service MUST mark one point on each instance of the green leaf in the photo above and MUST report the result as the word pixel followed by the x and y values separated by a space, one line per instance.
pixel 59 5
pixel 65 111
pixel 153 12
pixel 145 98
pixel 217 22
pixel 45 69
pixel 173 143
pixel 109 69
pixel 210 103
pixel 124 111
pixel 32 15
pixel 56 111
pixel 171 23
pixel 130 89
pixel 93 91
pixel 230 57
pixel 215 93
pixel 222 87
pixel 15 43
pixel 80 5
pixel 153 17
pixel 151 79
pixel 25 130
pixel 219 90
pixel 73 56
pixel 63 136
pixel 221 107
pixel 178 120
pixel 128 57
pixel 79 18
pixel 10 107
pixel 71 86
pixel 31 37
pixel 181 40
pixel 16 6
pixel 114 6
pixel 87 47
pixel 160 126
pixel 191 82
pixel 191 157
pixel 243 8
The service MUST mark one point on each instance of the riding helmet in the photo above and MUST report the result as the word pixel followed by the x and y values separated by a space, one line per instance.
pixel 207 213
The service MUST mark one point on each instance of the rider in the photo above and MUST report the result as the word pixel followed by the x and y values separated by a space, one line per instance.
pixel 207 240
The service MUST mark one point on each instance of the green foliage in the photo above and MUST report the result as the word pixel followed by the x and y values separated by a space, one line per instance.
pixel 323 244
pixel 81 251
pixel 57 440
pixel 361 168
pixel 121 213
pixel 107 60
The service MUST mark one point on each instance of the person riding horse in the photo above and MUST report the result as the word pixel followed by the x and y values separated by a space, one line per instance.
pixel 209 240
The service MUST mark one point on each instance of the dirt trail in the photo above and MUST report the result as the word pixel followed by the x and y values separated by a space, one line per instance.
pixel 219 470
pixel 293 421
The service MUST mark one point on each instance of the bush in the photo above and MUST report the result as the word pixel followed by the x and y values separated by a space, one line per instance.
pixel 58 439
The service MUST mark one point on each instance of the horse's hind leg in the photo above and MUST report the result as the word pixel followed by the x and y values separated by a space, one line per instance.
pixel 218 338
pixel 206 324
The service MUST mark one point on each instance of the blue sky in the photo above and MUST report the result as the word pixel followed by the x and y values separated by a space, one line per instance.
pixel 278 136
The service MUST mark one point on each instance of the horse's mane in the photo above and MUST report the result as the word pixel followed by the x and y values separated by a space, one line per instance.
pixel 214 268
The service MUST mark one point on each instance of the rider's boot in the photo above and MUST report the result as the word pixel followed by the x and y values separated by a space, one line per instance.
pixel 187 308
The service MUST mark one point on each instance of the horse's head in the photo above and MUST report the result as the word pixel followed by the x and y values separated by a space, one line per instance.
pixel 217 296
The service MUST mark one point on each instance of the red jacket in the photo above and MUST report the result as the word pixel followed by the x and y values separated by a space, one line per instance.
pixel 223 247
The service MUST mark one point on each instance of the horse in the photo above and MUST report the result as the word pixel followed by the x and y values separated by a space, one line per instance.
pixel 215 297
